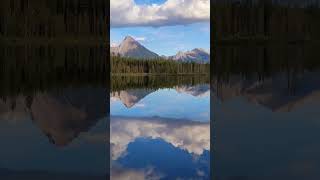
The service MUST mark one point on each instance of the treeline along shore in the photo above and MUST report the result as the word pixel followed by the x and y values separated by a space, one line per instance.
pixel 52 44
pixel 54 21
pixel 252 21
pixel 265 61
pixel 26 69
pixel 264 37
pixel 126 65
pixel 119 83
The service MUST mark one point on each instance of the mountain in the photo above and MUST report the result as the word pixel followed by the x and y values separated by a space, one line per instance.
pixel 197 90
pixel 129 47
pixel 61 116
pixel 272 93
pixel 130 97
pixel 196 55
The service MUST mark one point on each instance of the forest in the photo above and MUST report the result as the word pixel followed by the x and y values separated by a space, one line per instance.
pixel 238 21
pixel 260 38
pixel 127 65
pixel 155 82
pixel 54 20
pixel 29 68
pixel 265 61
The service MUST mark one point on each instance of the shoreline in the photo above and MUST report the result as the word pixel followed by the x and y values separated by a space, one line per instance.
pixel 159 74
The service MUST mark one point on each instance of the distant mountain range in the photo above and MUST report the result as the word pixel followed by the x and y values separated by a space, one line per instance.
pixel 195 55
pixel 272 93
pixel 131 97
pixel 62 116
pixel 129 47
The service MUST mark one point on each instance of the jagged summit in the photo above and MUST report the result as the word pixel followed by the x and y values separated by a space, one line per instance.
pixel 129 47
pixel 198 55
pixel 129 38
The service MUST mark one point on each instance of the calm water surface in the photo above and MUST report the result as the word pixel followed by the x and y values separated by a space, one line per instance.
pixel 160 133
pixel 53 121
pixel 266 113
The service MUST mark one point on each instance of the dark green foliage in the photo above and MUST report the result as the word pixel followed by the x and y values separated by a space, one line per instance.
pixel 156 81
pixel 265 61
pixel 28 69
pixel 260 38
pixel 54 20
pixel 239 21
pixel 125 65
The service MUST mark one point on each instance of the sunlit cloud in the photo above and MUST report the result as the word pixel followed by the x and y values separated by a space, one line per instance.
pixel 114 44
pixel 119 173
pixel 139 38
pixel 139 105
pixel 200 173
pixel 126 13
pixel 193 137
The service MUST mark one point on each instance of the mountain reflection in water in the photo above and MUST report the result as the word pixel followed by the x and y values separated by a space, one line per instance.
pixel 153 125
pixel 53 113
pixel 266 113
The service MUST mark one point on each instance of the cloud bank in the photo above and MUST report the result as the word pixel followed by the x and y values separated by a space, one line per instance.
pixel 118 173
pixel 194 137
pixel 126 13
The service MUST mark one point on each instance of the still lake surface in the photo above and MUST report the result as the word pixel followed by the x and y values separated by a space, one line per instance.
pixel 265 104
pixel 53 113
pixel 160 131
pixel 58 134
pixel 264 110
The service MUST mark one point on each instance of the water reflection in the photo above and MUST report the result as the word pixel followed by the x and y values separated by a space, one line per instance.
pixel 153 125
pixel 266 113
pixel 275 93
pixel 126 130
pixel 184 102
pixel 50 118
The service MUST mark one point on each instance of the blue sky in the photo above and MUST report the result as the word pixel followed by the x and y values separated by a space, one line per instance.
pixel 142 2
pixel 167 103
pixel 165 37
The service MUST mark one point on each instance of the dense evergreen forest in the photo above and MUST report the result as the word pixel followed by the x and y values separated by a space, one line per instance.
pixel 29 68
pixel 260 38
pixel 47 44
pixel 265 20
pixel 126 65
pixel 54 20
pixel 155 82
pixel 265 61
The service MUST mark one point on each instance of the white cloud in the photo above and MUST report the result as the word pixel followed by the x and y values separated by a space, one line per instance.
pixel 194 137
pixel 200 173
pixel 139 38
pixel 126 13
pixel 114 44
pixel 139 105
pixel 114 99
pixel 118 173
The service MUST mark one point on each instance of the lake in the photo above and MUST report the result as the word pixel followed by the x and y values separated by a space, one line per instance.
pixel 53 113
pixel 262 106
pixel 265 104
pixel 160 127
